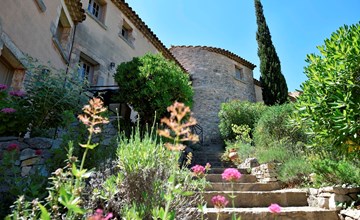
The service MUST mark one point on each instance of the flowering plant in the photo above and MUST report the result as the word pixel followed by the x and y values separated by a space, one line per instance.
pixel 13 112
pixel 219 201
pixel 177 130
pixel 200 171
pixel 274 208
pixel 231 175
pixel 67 184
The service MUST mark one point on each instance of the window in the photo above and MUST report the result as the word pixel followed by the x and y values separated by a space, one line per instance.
pixel 239 73
pixel 97 9
pixel 127 33
pixel 62 35
pixel 6 72
pixel 86 71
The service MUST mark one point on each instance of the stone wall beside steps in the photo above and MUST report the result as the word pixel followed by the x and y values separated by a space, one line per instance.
pixel 33 152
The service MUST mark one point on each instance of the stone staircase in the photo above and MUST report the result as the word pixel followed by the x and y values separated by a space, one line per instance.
pixel 253 199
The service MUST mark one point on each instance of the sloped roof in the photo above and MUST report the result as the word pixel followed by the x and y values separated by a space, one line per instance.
pixel 143 28
pixel 223 52
pixel 76 11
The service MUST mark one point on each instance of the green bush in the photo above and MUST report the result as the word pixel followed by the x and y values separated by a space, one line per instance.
pixel 238 113
pixel 273 126
pixel 295 171
pixel 336 172
pixel 278 152
pixel 329 108
pixel 51 93
pixel 48 94
pixel 151 84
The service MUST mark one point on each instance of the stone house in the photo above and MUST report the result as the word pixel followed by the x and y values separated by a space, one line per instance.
pixel 88 36
pixel 218 76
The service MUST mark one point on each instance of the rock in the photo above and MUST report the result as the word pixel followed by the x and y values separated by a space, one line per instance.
pixel 30 162
pixel 323 202
pixel 313 201
pixel 326 195
pixel 27 153
pixel 313 191
pixel 25 171
pixel 21 145
pixel 335 199
pixel 353 213
pixel 39 143
pixel 9 138
pixel 250 163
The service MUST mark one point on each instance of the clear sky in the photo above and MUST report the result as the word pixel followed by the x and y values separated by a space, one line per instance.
pixel 296 26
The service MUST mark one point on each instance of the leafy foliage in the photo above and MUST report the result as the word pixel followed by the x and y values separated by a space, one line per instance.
pixel 151 83
pixel 238 113
pixel 329 108
pixel 274 126
pixel 48 94
pixel 336 172
pixel 51 93
pixel 14 112
pixel 274 88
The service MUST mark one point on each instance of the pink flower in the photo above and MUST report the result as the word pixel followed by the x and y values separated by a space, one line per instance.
pixel 8 110
pixel 17 93
pixel 198 170
pixel 12 147
pixel 219 201
pixel 274 208
pixel 38 152
pixel 207 166
pixel 99 215
pixel 3 87
pixel 231 174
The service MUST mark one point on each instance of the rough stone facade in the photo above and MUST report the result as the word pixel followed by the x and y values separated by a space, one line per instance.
pixel 214 82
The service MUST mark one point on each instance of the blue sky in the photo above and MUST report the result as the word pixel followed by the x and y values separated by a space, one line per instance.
pixel 296 26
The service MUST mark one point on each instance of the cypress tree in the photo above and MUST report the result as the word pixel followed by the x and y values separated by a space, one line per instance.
pixel 274 88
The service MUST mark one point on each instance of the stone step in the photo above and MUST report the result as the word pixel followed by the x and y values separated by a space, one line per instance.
pixel 220 170
pixel 249 199
pixel 245 178
pixel 244 186
pixel 287 213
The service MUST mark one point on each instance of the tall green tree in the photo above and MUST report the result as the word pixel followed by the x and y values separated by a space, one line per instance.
pixel 274 88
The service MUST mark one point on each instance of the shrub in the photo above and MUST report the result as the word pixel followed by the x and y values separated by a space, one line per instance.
pixel 142 158
pixel 295 171
pixel 51 92
pixel 152 83
pixel 238 113
pixel 329 108
pixel 48 94
pixel 273 126
pixel 336 172
pixel 275 152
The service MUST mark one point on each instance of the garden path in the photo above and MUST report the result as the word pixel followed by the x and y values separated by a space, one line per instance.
pixel 253 198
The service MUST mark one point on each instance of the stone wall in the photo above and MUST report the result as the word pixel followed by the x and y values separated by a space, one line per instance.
pixel 214 82
pixel 33 152
pixel 332 197
pixel 266 173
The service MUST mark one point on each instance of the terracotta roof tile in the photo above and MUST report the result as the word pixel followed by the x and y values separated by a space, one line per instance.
pixel 225 53
pixel 77 13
